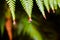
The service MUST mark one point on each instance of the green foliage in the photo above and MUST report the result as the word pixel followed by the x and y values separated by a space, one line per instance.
pixel 55 4
pixel 41 7
pixel 32 31
pixel 28 28
pixel 46 3
pixel 58 2
pixel 27 5
pixel 11 4
pixel 51 2
pixel 2 23
pixel 24 23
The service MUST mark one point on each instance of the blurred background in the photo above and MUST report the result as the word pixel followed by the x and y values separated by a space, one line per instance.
pixel 48 28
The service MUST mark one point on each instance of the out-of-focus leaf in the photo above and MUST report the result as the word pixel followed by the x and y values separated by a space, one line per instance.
pixel 41 7
pixel 58 3
pixel 31 30
pixel 51 2
pixel 2 25
pixel 8 26
pixel 46 3
pixel 11 4
pixel 8 23
pixel 19 28
pixel 27 5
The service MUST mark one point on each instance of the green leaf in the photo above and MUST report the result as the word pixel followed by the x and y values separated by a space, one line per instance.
pixel 31 30
pixel 58 3
pixel 19 27
pixel 27 5
pixel 41 7
pixel 11 4
pixel 46 3
pixel 55 4
pixel 2 25
pixel 51 2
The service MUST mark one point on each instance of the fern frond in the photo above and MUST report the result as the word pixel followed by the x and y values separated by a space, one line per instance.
pixel 11 4
pixel 27 5
pixel 58 3
pixel 55 4
pixel 46 3
pixel 51 2
pixel 41 7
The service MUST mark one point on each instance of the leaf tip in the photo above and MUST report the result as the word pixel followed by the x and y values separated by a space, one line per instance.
pixel 44 17
pixel 53 11
pixel 14 22
pixel 30 20
pixel 48 11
